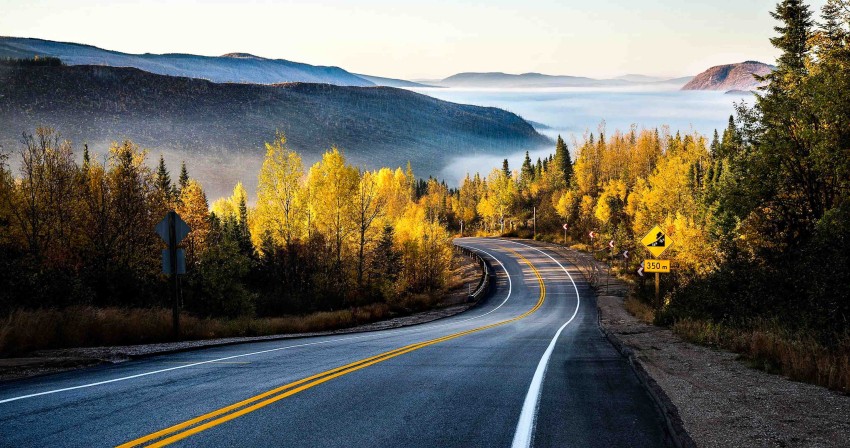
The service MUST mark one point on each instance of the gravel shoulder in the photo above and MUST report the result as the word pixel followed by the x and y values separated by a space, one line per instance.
pixel 42 362
pixel 710 397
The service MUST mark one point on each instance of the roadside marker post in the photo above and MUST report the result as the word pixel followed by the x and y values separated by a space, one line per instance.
pixel 565 234
pixel 535 224
pixel 656 242
pixel 172 229
pixel 610 263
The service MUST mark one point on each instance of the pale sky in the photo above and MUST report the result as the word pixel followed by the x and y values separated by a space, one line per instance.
pixel 427 39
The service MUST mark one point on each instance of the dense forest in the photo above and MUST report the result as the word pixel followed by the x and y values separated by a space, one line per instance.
pixel 758 212
pixel 329 238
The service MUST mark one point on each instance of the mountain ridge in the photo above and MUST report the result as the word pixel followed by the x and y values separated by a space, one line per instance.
pixel 238 67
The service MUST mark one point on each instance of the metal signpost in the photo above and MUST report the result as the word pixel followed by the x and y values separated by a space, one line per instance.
pixel 172 230
pixel 656 242
pixel 610 262
pixel 565 234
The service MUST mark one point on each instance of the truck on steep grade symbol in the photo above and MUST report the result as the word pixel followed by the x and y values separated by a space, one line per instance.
pixel 659 241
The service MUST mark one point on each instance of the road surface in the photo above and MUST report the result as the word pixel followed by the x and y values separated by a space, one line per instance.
pixel 526 367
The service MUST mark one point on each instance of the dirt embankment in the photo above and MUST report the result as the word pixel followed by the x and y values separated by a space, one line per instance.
pixel 710 396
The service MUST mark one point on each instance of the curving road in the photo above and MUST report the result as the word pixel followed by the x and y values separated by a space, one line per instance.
pixel 526 367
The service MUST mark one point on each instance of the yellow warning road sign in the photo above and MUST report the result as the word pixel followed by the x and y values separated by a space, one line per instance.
pixel 660 266
pixel 656 242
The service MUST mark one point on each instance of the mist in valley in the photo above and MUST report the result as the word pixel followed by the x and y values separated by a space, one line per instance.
pixel 569 112
pixel 575 112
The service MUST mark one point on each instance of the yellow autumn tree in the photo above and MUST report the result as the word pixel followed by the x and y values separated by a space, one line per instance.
pixel 369 205
pixel 279 212
pixel 394 191
pixel 333 186
pixel 426 249
pixel 229 207
pixel 194 210
pixel 500 196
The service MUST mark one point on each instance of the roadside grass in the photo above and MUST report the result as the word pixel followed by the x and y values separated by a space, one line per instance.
pixel 638 309
pixel 767 347
pixel 27 330
pixel 762 345
pixel 24 331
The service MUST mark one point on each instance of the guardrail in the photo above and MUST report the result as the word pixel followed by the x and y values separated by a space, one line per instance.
pixel 485 284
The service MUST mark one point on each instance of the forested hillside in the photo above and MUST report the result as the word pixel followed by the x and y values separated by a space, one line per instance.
pixel 375 126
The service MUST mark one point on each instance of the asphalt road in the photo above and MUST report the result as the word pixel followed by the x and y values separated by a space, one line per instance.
pixel 526 367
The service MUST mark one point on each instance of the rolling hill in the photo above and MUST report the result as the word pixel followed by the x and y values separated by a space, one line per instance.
pixel 221 127
pixel 499 80
pixel 727 77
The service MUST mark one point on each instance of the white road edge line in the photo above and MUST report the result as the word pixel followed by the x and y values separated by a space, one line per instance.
pixel 524 435
pixel 114 380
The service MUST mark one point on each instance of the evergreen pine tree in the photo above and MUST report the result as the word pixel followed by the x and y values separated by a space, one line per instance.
pixel 387 260
pixel 163 180
pixel 563 161
pixel 729 143
pixel 506 169
pixel 833 29
pixel 715 144
pixel 793 39
pixel 527 173
pixel 184 176
pixel 86 158
pixel 244 232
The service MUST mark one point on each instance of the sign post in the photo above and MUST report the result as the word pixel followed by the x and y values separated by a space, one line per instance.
pixel 172 230
pixel 656 242
pixel 565 234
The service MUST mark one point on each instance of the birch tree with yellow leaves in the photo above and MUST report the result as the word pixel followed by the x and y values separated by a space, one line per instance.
pixel 280 210
pixel 334 185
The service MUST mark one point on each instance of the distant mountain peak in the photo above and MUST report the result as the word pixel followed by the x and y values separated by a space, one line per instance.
pixel 241 56
pixel 741 76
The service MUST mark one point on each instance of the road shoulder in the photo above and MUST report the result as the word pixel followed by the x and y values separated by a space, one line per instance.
pixel 710 397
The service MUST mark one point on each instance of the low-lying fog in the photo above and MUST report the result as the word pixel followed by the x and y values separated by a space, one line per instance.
pixel 571 112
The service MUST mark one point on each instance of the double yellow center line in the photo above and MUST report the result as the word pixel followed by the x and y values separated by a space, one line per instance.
pixel 203 422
